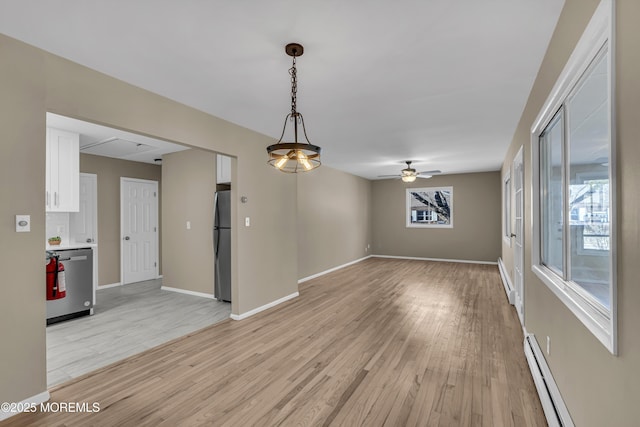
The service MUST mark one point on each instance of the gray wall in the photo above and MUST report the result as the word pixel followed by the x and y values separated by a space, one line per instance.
pixel 599 389
pixel 109 172
pixel 475 235
pixel 188 187
pixel 33 82
pixel 334 220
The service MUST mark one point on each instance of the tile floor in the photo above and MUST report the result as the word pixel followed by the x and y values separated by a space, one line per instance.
pixel 127 320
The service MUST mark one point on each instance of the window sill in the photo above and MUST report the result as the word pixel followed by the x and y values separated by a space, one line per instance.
pixel 595 321
pixel 429 225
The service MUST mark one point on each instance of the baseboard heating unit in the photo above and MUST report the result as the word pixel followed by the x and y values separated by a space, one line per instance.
pixel 554 408
pixel 506 282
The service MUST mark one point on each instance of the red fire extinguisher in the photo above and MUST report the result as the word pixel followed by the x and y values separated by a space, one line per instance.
pixel 56 286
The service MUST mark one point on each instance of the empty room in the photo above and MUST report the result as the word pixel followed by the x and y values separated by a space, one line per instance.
pixel 447 237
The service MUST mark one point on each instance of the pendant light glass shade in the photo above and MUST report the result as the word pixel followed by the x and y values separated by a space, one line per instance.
pixel 408 178
pixel 296 156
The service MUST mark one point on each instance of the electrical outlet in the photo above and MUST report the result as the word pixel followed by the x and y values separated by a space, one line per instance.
pixel 188 225
pixel 548 344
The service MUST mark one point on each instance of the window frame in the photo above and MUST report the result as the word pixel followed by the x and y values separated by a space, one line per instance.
pixel 410 224
pixel 599 32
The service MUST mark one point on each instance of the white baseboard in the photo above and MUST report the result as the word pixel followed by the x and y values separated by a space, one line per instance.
pixel 112 285
pixel 184 291
pixel 465 261
pixel 264 307
pixel 322 273
pixel 506 282
pixel 33 400
pixel 554 408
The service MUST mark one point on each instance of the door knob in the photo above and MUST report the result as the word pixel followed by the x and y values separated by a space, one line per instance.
pixel 126 237
pixel 513 235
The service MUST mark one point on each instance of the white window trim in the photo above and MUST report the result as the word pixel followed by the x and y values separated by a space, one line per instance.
pixel 407 213
pixel 507 223
pixel 598 32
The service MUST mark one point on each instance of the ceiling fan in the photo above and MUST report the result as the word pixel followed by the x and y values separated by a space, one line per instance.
pixel 409 174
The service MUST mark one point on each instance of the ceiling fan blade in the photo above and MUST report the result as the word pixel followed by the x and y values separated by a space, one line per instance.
pixel 424 176
pixel 433 172
pixel 388 176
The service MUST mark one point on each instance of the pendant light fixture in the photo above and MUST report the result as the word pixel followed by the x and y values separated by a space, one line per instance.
pixel 296 156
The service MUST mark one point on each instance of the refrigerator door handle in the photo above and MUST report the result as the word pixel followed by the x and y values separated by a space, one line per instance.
pixel 216 241
pixel 216 211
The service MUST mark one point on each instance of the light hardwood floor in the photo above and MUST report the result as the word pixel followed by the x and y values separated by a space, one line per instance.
pixel 127 320
pixel 382 342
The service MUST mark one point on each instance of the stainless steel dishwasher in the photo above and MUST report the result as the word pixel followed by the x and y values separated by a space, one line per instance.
pixel 78 268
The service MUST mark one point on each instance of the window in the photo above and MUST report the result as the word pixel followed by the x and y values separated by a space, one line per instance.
pixel 574 202
pixel 430 207
pixel 506 206
pixel 424 216
pixel 552 195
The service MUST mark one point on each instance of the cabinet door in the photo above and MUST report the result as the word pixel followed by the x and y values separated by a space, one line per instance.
pixel 223 169
pixel 64 171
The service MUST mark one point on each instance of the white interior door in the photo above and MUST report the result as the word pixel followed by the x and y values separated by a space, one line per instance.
pixel 518 247
pixel 139 226
pixel 83 225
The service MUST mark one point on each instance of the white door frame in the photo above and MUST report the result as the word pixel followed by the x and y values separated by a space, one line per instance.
pixel 518 246
pixel 145 181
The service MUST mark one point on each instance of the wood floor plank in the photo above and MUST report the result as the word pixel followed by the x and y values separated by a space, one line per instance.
pixel 382 342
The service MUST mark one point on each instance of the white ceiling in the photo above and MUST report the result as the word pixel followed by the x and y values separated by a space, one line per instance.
pixel 105 141
pixel 439 82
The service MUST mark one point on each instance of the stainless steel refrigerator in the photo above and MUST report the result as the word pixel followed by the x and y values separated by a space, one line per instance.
pixel 222 245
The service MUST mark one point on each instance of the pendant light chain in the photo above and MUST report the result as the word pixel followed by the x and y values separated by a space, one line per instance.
pixel 294 88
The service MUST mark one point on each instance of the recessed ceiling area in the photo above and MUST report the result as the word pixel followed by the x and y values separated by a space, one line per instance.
pixel 104 141
pixel 438 82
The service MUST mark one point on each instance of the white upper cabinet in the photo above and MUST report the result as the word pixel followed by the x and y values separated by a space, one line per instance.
pixel 63 171
pixel 223 169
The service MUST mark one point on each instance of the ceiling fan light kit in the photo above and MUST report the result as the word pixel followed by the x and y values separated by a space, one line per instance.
pixel 408 178
pixel 296 156
pixel 409 174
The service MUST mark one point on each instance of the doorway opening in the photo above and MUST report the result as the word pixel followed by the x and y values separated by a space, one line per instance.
pixel 141 300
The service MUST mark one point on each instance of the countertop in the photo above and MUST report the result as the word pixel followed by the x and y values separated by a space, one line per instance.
pixel 72 245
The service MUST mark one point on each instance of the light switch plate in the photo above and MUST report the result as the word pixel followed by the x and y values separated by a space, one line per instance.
pixel 247 221
pixel 23 223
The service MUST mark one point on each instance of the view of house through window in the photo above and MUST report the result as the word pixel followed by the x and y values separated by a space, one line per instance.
pixel 589 203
